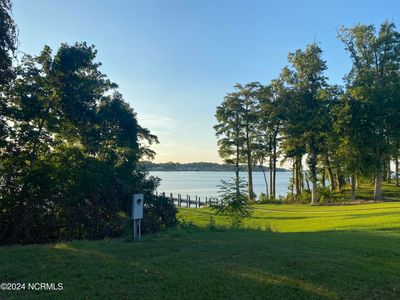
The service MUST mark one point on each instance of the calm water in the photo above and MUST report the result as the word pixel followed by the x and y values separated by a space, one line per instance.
pixel 204 184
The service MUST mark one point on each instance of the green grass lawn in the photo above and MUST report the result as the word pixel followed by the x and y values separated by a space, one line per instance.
pixel 282 251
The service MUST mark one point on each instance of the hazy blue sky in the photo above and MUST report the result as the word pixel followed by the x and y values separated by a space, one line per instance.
pixel 175 60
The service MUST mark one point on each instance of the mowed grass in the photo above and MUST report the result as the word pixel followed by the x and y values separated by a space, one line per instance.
pixel 282 252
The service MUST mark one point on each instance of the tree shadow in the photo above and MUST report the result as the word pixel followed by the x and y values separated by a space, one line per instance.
pixel 242 263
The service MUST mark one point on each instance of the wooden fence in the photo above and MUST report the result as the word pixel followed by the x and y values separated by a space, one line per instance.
pixel 197 202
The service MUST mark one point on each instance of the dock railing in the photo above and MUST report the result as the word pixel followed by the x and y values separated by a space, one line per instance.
pixel 196 202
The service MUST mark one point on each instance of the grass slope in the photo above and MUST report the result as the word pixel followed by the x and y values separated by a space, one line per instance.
pixel 284 252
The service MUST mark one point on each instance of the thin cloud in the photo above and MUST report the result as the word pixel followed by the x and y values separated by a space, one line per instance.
pixel 157 124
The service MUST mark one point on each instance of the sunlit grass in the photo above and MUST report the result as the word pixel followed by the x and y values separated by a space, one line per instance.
pixel 303 218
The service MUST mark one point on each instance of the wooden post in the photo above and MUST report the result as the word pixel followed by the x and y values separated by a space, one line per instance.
pixel 196 202
pixel 140 229
pixel 179 200
pixel 134 229
pixel 187 200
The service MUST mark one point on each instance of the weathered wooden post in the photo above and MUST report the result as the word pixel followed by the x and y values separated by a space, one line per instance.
pixel 187 200
pixel 195 201
pixel 179 200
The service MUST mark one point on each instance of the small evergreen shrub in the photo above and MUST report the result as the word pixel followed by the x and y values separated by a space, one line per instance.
pixel 233 202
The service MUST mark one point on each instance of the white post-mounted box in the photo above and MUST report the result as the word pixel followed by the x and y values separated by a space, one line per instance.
pixel 137 206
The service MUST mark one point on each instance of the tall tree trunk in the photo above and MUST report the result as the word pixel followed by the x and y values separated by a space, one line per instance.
pixel 249 167
pixel 307 182
pixel 265 179
pixel 384 170
pixel 250 181
pixel 298 175
pixel 237 167
pixel 378 178
pixel 293 176
pixel 274 165
pixel 330 174
pixel 312 165
pixel 353 186
pixel 314 191
pixel 389 172
pixel 270 177
pixel 338 180
pixel 323 178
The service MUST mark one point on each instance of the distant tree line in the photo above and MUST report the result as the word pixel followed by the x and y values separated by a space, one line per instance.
pixel 345 134
pixel 69 146
pixel 196 166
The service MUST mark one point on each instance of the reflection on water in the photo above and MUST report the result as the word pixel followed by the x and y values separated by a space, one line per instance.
pixel 204 184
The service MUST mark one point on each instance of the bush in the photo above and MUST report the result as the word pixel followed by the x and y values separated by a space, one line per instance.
pixel 159 214
pixel 262 198
pixel 325 195
pixel 302 198
pixel 233 203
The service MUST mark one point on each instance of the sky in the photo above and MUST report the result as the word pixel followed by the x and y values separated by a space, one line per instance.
pixel 174 60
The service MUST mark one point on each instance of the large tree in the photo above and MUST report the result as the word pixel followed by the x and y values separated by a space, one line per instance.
pixel 70 164
pixel 8 41
pixel 237 119
pixel 248 94
pixel 373 82
pixel 8 46
pixel 306 110
pixel 229 131
pixel 269 121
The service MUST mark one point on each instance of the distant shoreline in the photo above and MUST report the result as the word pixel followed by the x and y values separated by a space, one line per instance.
pixel 199 167
pixel 241 171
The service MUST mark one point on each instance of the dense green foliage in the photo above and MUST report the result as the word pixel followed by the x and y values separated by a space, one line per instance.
pixel 346 135
pixel 69 149
pixel 8 41
pixel 287 252
pixel 159 214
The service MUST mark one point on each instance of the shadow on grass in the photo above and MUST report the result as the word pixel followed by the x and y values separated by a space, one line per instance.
pixel 200 264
